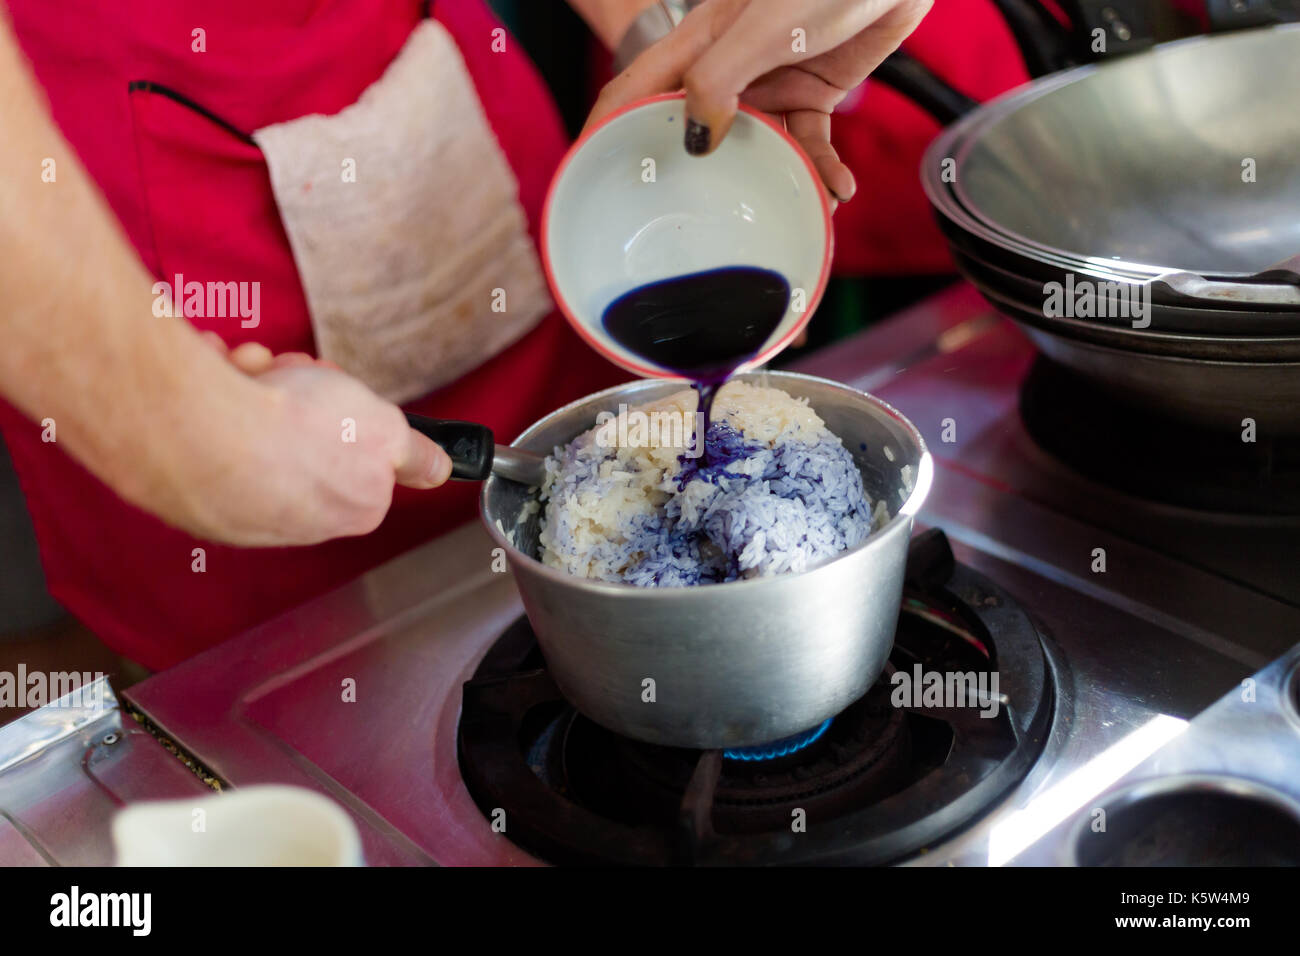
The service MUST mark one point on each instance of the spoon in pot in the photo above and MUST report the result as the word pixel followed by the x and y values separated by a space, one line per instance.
pixel 475 454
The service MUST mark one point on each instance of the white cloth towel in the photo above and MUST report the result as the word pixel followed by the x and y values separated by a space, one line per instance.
pixel 422 268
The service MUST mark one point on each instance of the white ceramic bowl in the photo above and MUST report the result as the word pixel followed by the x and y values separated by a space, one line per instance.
pixel 755 201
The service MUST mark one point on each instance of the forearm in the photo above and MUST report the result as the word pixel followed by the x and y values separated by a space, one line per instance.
pixel 81 343
pixel 610 19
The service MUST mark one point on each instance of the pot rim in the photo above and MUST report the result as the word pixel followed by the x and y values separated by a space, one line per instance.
pixel 915 498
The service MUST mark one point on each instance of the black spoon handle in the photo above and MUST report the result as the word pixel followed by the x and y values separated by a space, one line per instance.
pixel 469 446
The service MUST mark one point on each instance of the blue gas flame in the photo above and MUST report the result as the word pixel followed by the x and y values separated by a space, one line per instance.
pixel 778 748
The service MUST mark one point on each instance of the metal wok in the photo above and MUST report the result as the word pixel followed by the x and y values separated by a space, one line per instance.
pixel 1131 172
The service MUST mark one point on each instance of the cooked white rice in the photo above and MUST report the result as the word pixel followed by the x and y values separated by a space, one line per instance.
pixel 778 493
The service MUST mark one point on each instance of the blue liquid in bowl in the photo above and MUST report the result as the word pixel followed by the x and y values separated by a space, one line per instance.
pixel 702 326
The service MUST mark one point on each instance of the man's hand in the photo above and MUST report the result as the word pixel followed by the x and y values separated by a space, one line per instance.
pixel 321 459
pixel 792 60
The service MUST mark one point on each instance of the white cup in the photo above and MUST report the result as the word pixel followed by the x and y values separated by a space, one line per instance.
pixel 252 826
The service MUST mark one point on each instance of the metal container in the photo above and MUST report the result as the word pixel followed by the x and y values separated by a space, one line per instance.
pixel 1134 174
pixel 1209 381
pixel 735 664
pixel 1143 168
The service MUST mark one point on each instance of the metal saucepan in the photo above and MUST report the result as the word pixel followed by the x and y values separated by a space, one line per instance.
pixel 720 665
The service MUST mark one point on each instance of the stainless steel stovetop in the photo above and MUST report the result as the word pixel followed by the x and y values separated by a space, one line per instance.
pixel 1189 606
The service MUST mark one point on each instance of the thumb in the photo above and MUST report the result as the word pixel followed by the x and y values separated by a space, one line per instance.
pixel 424 464
pixel 748 48
pixel 660 68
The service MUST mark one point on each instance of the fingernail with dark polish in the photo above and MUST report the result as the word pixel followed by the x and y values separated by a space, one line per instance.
pixel 697 138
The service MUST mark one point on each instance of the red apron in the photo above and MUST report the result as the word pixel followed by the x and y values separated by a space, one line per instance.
pixel 194 197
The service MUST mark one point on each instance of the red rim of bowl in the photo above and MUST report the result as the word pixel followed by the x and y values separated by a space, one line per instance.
pixel 654 371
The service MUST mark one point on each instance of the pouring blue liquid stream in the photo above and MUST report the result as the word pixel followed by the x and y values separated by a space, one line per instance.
pixel 702 326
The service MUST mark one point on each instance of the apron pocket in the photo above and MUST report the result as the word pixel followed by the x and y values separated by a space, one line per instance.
pixel 405 223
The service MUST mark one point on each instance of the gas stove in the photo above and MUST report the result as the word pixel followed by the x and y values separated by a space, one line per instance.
pixel 1123 627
